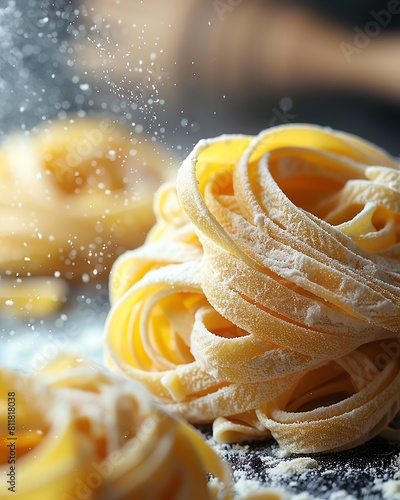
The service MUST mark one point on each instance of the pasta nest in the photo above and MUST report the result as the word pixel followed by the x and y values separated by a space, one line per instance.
pixel 266 299
pixel 80 432
pixel 75 195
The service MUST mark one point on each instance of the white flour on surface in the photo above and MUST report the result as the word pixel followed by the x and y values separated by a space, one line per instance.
pixel 294 466
pixel 371 471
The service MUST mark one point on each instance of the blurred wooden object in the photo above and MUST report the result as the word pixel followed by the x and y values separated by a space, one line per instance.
pixel 253 47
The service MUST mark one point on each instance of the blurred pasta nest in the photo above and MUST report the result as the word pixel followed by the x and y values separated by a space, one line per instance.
pixel 98 437
pixel 75 195
pixel 266 298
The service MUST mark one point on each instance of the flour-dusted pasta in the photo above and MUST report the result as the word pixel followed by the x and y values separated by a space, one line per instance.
pixel 80 432
pixel 267 297
pixel 74 196
pixel 75 193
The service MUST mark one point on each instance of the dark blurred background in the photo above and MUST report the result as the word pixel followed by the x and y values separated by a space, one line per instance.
pixel 183 70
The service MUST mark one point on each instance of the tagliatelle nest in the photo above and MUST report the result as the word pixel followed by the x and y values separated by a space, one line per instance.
pixel 266 299
pixel 74 195
pixel 81 432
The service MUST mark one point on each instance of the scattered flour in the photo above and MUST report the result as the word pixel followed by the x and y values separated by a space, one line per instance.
pixel 266 472
pixel 294 466
pixel 341 495
pixel 391 489
pixel 249 489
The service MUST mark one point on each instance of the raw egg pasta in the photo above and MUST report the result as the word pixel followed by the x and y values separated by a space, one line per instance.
pixel 266 299
pixel 98 437
pixel 74 196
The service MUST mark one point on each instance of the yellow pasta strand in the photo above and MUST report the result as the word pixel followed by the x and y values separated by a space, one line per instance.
pixel 40 296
